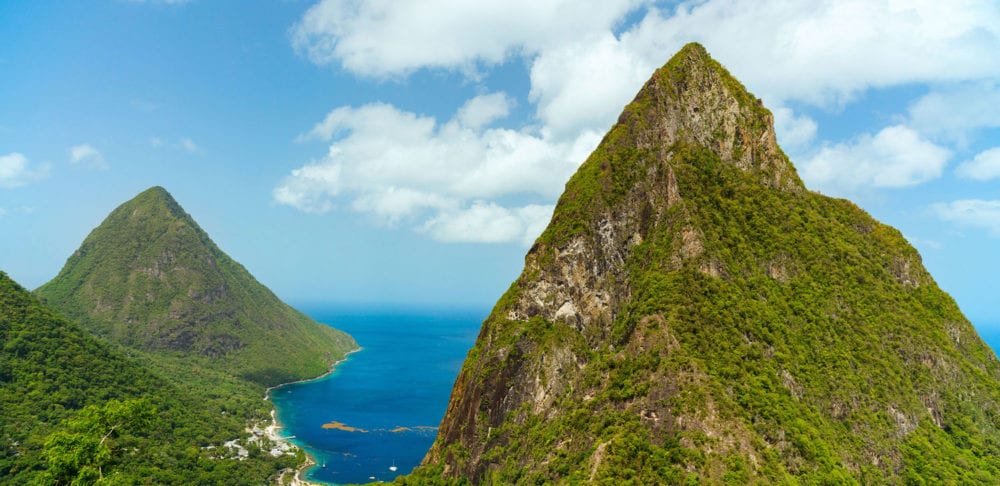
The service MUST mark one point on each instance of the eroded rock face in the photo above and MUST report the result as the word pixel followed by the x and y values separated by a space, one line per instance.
pixel 692 100
pixel 692 312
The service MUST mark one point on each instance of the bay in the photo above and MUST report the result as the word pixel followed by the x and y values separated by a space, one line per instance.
pixel 382 405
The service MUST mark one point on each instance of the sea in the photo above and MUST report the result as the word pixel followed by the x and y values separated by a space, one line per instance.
pixel 380 408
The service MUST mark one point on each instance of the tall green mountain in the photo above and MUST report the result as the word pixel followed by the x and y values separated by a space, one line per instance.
pixel 151 279
pixel 75 409
pixel 693 314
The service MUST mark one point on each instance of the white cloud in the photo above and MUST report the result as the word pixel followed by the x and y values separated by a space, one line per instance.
pixel 956 110
pixel 485 222
pixel 391 204
pixel 384 38
pixel 793 131
pixel 826 52
pixel 983 167
pixel 86 155
pixel 585 65
pixel 16 171
pixel 895 157
pixel 484 110
pixel 399 166
pixel 584 85
pixel 971 212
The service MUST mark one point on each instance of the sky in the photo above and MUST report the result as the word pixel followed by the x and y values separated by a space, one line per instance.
pixel 410 152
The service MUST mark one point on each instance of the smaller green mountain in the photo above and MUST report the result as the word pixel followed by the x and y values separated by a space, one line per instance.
pixel 74 410
pixel 149 278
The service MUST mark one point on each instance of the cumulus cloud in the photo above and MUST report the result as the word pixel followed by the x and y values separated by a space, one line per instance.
pixel 976 213
pixel 584 85
pixel 483 110
pixel 983 167
pixel 793 131
pixel 398 166
pixel 88 156
pixel 383 38
pixel 956 110
pixel 16 170
pixel 487 222
pixel 894 157
pixel 587 59
pixel 826 52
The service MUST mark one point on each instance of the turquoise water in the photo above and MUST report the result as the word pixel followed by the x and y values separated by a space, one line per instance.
pixel 394 391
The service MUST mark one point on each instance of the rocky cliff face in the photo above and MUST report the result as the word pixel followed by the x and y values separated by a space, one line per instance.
pixel 693 313
pixel 690 101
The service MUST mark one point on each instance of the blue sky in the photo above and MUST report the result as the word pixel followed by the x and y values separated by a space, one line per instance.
pixel 409 152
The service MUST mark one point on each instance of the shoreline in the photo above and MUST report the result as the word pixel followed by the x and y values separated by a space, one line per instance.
pixel 333 367
pixel 271 431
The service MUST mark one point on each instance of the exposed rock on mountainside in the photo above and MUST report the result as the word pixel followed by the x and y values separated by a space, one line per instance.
pixel 150 278
pixel 693 313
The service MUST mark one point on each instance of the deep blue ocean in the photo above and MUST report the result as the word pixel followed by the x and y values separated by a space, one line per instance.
pixel 394 391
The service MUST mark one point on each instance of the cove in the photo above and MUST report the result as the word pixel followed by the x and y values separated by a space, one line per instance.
pixel 381 406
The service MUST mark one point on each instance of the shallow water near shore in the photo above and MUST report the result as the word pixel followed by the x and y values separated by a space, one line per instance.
pixel 381 407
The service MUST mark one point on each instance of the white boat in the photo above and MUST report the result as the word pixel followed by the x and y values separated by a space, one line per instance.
pixel 393 466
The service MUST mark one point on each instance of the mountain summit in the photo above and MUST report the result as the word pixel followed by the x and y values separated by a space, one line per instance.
pixel 151 279
pixel 693 314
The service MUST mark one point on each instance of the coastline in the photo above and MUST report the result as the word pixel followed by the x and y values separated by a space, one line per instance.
pixel 333 367
pixel 271 431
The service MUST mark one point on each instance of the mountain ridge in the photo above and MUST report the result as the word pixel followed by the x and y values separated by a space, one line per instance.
pixel 693 314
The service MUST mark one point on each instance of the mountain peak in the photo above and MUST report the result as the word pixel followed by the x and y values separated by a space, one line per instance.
pixel 694 100
pixel 156 200
pixel 149 277
pixel 693 315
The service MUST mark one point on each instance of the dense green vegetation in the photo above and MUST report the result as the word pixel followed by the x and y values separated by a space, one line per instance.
pixel 151 279
pixel 763 336
pixel 177 346
pixel 74 409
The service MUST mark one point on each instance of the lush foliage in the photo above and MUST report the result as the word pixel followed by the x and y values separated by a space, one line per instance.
pixel 190 341
pixel 74 409
pixel 151 279
pixel 763 335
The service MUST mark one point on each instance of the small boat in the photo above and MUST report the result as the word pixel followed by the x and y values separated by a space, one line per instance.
pixel 393 466
pixel 324 465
